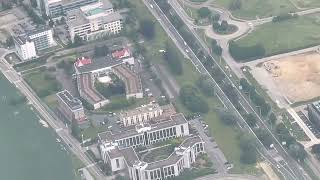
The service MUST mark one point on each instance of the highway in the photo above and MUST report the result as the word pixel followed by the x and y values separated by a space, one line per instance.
pixel 50 118
pixel 290 169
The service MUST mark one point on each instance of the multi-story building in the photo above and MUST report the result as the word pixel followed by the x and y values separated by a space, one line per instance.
pixel 25 48
pixel 71 108
pixel 88 92
pixel 30 42
pixel 94 21
pixel 148 133
pixel 145 113
pixel 118 152
pixel 88 70
pixel 42 38
pixel 131 80
pixel 57 8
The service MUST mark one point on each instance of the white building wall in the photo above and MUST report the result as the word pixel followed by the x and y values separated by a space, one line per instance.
pixel 26 51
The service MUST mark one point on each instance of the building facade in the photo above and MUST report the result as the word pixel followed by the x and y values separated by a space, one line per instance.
pixel 42 38
pixel 31 42
pixel 71 108
pixel 94 21
pixel 141 114
pixel 147 133
pixel 120 157
pixel 25 48
pixel 58 8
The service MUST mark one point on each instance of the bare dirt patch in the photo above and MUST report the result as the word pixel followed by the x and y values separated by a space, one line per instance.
pixel 297 78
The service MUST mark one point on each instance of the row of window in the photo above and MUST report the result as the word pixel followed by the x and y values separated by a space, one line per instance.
pixel 141 118
pixel 162 134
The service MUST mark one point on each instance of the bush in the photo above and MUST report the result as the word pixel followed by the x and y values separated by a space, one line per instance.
pixel 147 29
pixel 227 118
pixel 171 57
pixel 204 12
pixel 248 152
pixel 284 17
pixel 246 53
pixel 190 98
pixel 204 85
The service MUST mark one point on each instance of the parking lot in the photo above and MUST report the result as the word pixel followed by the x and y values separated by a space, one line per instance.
pixel 310 125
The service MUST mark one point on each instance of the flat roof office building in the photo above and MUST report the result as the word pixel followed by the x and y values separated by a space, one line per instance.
pixel 31 42
pixel 71 108
pixel 117 149
pixel 94 21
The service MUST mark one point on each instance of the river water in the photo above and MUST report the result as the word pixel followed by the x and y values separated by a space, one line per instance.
pixel 28 151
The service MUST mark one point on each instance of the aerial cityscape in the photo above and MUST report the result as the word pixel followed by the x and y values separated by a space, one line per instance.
pixel 160 89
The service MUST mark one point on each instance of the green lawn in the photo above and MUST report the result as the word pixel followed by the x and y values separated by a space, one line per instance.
pixel 307 3
pixel 159 154
pixel 285 36
pixel 262 8
pixel 42 82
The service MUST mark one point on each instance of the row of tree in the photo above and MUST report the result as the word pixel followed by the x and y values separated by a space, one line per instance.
pixel 255 97
pixel 284 17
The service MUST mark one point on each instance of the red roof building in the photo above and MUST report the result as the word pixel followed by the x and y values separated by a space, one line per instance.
pixel 81 61
pixel 122 53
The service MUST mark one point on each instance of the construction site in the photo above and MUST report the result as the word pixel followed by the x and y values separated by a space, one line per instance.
pixel 293 78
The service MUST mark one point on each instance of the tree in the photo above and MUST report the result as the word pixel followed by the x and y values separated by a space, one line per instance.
pixel 264 137
pixel 147 29
pixel 284 135
pixel 75 130
pixel 224 25
pixel 190 98
pixel 63 20
pixel 51 23
pixel 216 17
pixel 297 151
pixel 272 118
pixel 213 42
pixel 251 119
pixel 173 60
pixel 204 12
pixel 315 149
pixel 227 117
pixel 100 51
pixel 78 41
pixel 235 5
pixel 217 50
pixel 205 86
pixel 34 3
pixel 9 41
pixel 248 152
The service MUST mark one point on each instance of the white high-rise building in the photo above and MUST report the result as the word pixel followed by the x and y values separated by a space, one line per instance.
pixel 30 42
pixel 25 48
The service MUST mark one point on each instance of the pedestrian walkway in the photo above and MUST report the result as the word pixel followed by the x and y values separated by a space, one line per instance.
pixel 303 126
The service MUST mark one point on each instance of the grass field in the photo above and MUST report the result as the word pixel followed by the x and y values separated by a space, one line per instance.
pixel 261 8
pixel 276 37
pixel 42 82
pixel 307 3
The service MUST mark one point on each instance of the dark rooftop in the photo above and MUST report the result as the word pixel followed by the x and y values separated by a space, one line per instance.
pixel 72 102
pixel 98 63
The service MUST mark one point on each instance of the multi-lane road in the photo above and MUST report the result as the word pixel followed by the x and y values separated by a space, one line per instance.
pixel 290 169
pixel 50 118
